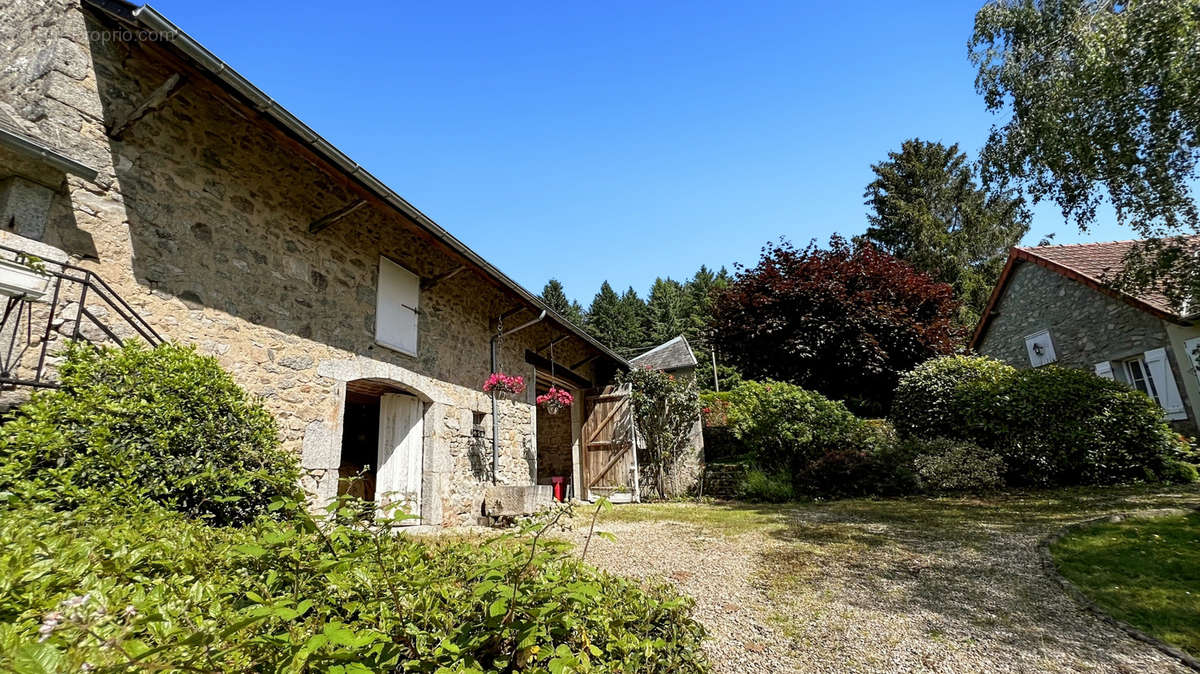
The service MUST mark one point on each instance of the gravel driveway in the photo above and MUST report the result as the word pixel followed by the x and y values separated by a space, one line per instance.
pixel 881 586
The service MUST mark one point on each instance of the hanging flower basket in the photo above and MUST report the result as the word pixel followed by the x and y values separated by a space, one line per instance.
pixel 499 382
pixel 555 400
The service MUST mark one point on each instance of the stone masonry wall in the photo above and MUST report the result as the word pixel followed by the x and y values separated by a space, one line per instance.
pixel 1086 326
pixel 554 445
pixel 199 219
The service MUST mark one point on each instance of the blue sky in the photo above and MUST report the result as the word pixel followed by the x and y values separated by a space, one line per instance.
pixel 618 140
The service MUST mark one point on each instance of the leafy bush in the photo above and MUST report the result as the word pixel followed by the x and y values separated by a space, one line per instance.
pixel 149 590
pixel 665 410
pixel 926 402
pixel 1181 472
pixel 759 486
pixel 1052 426
pixel 788 427
pixel 163 423
pixel 945 465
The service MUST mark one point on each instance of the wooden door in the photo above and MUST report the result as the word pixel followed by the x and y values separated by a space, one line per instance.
pixel 400 456
pixel 609 459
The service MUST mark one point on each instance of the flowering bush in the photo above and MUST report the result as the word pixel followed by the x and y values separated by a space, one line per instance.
pixel 503 383
pixel 555 399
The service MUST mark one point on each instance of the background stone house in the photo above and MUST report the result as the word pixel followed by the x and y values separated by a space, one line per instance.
pixel 131 152
pixel 677 358
pixel 1052 305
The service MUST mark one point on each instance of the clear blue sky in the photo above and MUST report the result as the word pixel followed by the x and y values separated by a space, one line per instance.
pixel 618 140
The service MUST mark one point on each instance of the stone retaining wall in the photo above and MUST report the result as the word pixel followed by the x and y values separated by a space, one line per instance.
pixel 721 480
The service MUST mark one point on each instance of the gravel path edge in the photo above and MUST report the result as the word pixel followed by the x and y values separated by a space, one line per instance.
pixel 1051 569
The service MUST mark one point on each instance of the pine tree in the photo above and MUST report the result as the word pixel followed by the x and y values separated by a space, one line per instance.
pixel 556 298
pixel 604 316
pixel 632 320
pixel 928 210
pixel 668 311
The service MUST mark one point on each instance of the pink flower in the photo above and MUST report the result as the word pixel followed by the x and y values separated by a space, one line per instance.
pixel 503 383
pixel 556 396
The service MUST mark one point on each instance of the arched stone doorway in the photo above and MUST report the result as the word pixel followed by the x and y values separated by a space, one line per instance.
pixel 382 447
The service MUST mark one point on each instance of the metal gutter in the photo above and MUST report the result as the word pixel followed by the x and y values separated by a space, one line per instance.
pixel 151 19
pixel 32 147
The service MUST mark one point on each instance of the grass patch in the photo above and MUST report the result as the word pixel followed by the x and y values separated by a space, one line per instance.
pixel 1143 571
pixel 730 519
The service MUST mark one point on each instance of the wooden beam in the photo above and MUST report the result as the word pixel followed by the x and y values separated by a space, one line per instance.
pixel 157 98
pixel 561 371
pixel 585 361
pixel 551 343
pixel 330 218
pixel 426 284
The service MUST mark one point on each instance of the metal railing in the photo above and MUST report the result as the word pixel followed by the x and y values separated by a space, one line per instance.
pixel 74 304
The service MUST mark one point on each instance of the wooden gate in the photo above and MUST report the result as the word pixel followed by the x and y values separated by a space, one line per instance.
pixel 609 459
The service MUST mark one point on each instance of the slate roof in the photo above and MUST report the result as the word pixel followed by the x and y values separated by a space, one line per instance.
pixel 672 355
pixel 1092 264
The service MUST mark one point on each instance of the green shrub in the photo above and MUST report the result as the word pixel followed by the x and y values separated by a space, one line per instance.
pixel 759 486
pixel 1053 426
pixel 927 402
pixel 146 589
pixel 786 426
pixel 165 424
pixel 945 465
pixel 1181 472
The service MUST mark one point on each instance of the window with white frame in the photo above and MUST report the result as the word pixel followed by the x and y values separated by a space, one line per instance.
pixel 1138 376
pixel 397 305
pixel 1150 373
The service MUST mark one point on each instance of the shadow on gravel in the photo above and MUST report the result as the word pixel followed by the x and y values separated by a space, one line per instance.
pixel 963 567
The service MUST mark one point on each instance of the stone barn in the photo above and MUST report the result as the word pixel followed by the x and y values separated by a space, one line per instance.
pixel 161 195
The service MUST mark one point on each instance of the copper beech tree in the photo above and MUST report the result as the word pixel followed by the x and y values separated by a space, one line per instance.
pixel 845 321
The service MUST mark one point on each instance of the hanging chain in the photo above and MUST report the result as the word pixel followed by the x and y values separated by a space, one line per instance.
pixel 499 342
pixel 551 362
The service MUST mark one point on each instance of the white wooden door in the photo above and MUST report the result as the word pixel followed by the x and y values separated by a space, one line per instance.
pixel 400 438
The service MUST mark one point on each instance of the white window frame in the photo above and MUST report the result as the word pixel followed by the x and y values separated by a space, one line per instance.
pixel 1130 366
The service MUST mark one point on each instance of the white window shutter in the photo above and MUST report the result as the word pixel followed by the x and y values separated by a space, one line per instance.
pixel 1164 383
pixel 1104 370
pixel 396 306
pixel 1190 347
pixel 1040 348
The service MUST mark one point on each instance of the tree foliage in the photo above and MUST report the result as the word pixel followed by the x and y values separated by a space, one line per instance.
pixel 665 409
pixel 844 321
pixel 927 209
pixel 556 298
pixel 1104 103
pixel 631 326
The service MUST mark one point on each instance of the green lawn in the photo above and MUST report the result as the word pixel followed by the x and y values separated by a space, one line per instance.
pixel 1143 571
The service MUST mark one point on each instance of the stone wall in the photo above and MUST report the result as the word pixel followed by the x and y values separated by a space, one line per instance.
pixel 199 219
pixel 721 480
pixel 1086 326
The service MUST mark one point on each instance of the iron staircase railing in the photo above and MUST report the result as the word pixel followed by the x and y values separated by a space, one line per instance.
pixel 74 304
